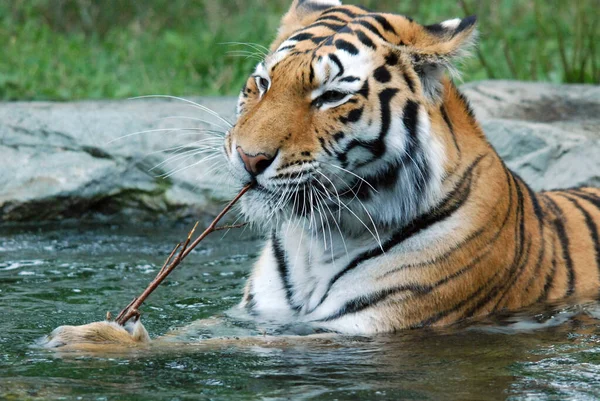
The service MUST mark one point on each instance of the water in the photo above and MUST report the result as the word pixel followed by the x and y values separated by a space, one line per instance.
pixel 54 275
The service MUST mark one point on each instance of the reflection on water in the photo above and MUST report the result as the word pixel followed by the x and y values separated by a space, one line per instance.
pixel 51 276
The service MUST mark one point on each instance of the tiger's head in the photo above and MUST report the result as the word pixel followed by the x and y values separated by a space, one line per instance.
pixel 336 121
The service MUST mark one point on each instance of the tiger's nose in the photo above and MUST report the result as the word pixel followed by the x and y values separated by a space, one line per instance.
pixel 255 164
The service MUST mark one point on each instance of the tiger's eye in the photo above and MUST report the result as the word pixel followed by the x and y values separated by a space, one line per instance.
pixel 329 97
pixel 332 96
pixel 263 84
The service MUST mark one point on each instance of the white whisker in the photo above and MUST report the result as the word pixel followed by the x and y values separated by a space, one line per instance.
pixel 188 154
pixel 355 175
pixel 205 159
pixel 201 107
pixel 259 48
pixel 200 130
pixel 176 148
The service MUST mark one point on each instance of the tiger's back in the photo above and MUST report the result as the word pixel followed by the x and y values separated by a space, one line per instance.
pixel 575 217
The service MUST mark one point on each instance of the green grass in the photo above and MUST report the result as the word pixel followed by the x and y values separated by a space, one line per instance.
pixel 77 49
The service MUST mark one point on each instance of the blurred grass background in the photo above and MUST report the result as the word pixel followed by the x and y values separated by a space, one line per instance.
pixel 79 49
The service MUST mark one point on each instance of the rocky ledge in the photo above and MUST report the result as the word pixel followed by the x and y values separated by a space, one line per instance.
pixel 138 158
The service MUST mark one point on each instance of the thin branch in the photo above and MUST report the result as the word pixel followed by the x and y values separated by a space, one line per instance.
pixel 221 228
pixel 132 310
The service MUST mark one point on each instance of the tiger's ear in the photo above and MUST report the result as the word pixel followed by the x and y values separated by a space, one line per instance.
pixel 301 14
pixel 435 48
pixel 444 43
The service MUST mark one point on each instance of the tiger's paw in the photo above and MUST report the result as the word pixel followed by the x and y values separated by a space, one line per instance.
pixel 97 333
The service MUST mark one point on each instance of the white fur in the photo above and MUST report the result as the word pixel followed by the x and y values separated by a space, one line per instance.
pixel 332 3
pixel 451 23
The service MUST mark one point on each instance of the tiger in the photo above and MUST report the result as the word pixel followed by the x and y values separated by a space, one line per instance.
pixel 383 204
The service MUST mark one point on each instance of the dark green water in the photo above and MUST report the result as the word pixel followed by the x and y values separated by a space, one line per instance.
pixel 52 276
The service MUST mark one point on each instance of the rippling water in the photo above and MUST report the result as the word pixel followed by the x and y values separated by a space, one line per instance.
pixel 55 275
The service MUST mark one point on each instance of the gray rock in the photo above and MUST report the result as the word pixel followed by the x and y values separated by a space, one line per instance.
pixel 549 134
pixel 78 159
pixel 73 159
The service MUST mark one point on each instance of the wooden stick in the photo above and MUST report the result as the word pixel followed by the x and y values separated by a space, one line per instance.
pixel 222 228
pixel 131 310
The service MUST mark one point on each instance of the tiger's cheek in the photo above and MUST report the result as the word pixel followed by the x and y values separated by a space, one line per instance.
pixel 248 97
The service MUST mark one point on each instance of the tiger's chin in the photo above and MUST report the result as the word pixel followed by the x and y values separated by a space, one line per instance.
pixel 269 210
pixel 265 209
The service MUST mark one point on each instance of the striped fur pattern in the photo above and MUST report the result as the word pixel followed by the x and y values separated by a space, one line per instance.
pixel 386 206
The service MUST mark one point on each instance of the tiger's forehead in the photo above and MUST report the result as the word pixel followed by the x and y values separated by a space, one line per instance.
pixel 341 38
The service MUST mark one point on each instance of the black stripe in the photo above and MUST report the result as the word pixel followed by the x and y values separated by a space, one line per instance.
pixel 410 118
pixel 346 46
pixel 466 104
pixel 451 128
pixel 549 284
pixel 512 279
pixel 333 18
pixel 282 268
pixel 445 209
pixel 539 214
pixel 317 40
pixel 365 40
pixel 333 27
pixel 420 171
pixel 442 314
pixel 301 36
pixel 383 22
pixel 535 203
pixel 382 75
pixel 361 303
pixel 595 192
pixel 337 62
pixel 385 98
pixel 591 225
pixel 564 243
pixel 409 82
pixel 338 136
pixel 341 10
pixel 377 146
pixel 353 116
pixel 364 90
pixel 322 142
pixel 372 28
pixel 391 59
pixel 590 197
pixel 288 47
pixel 350 78
pixel 464 24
